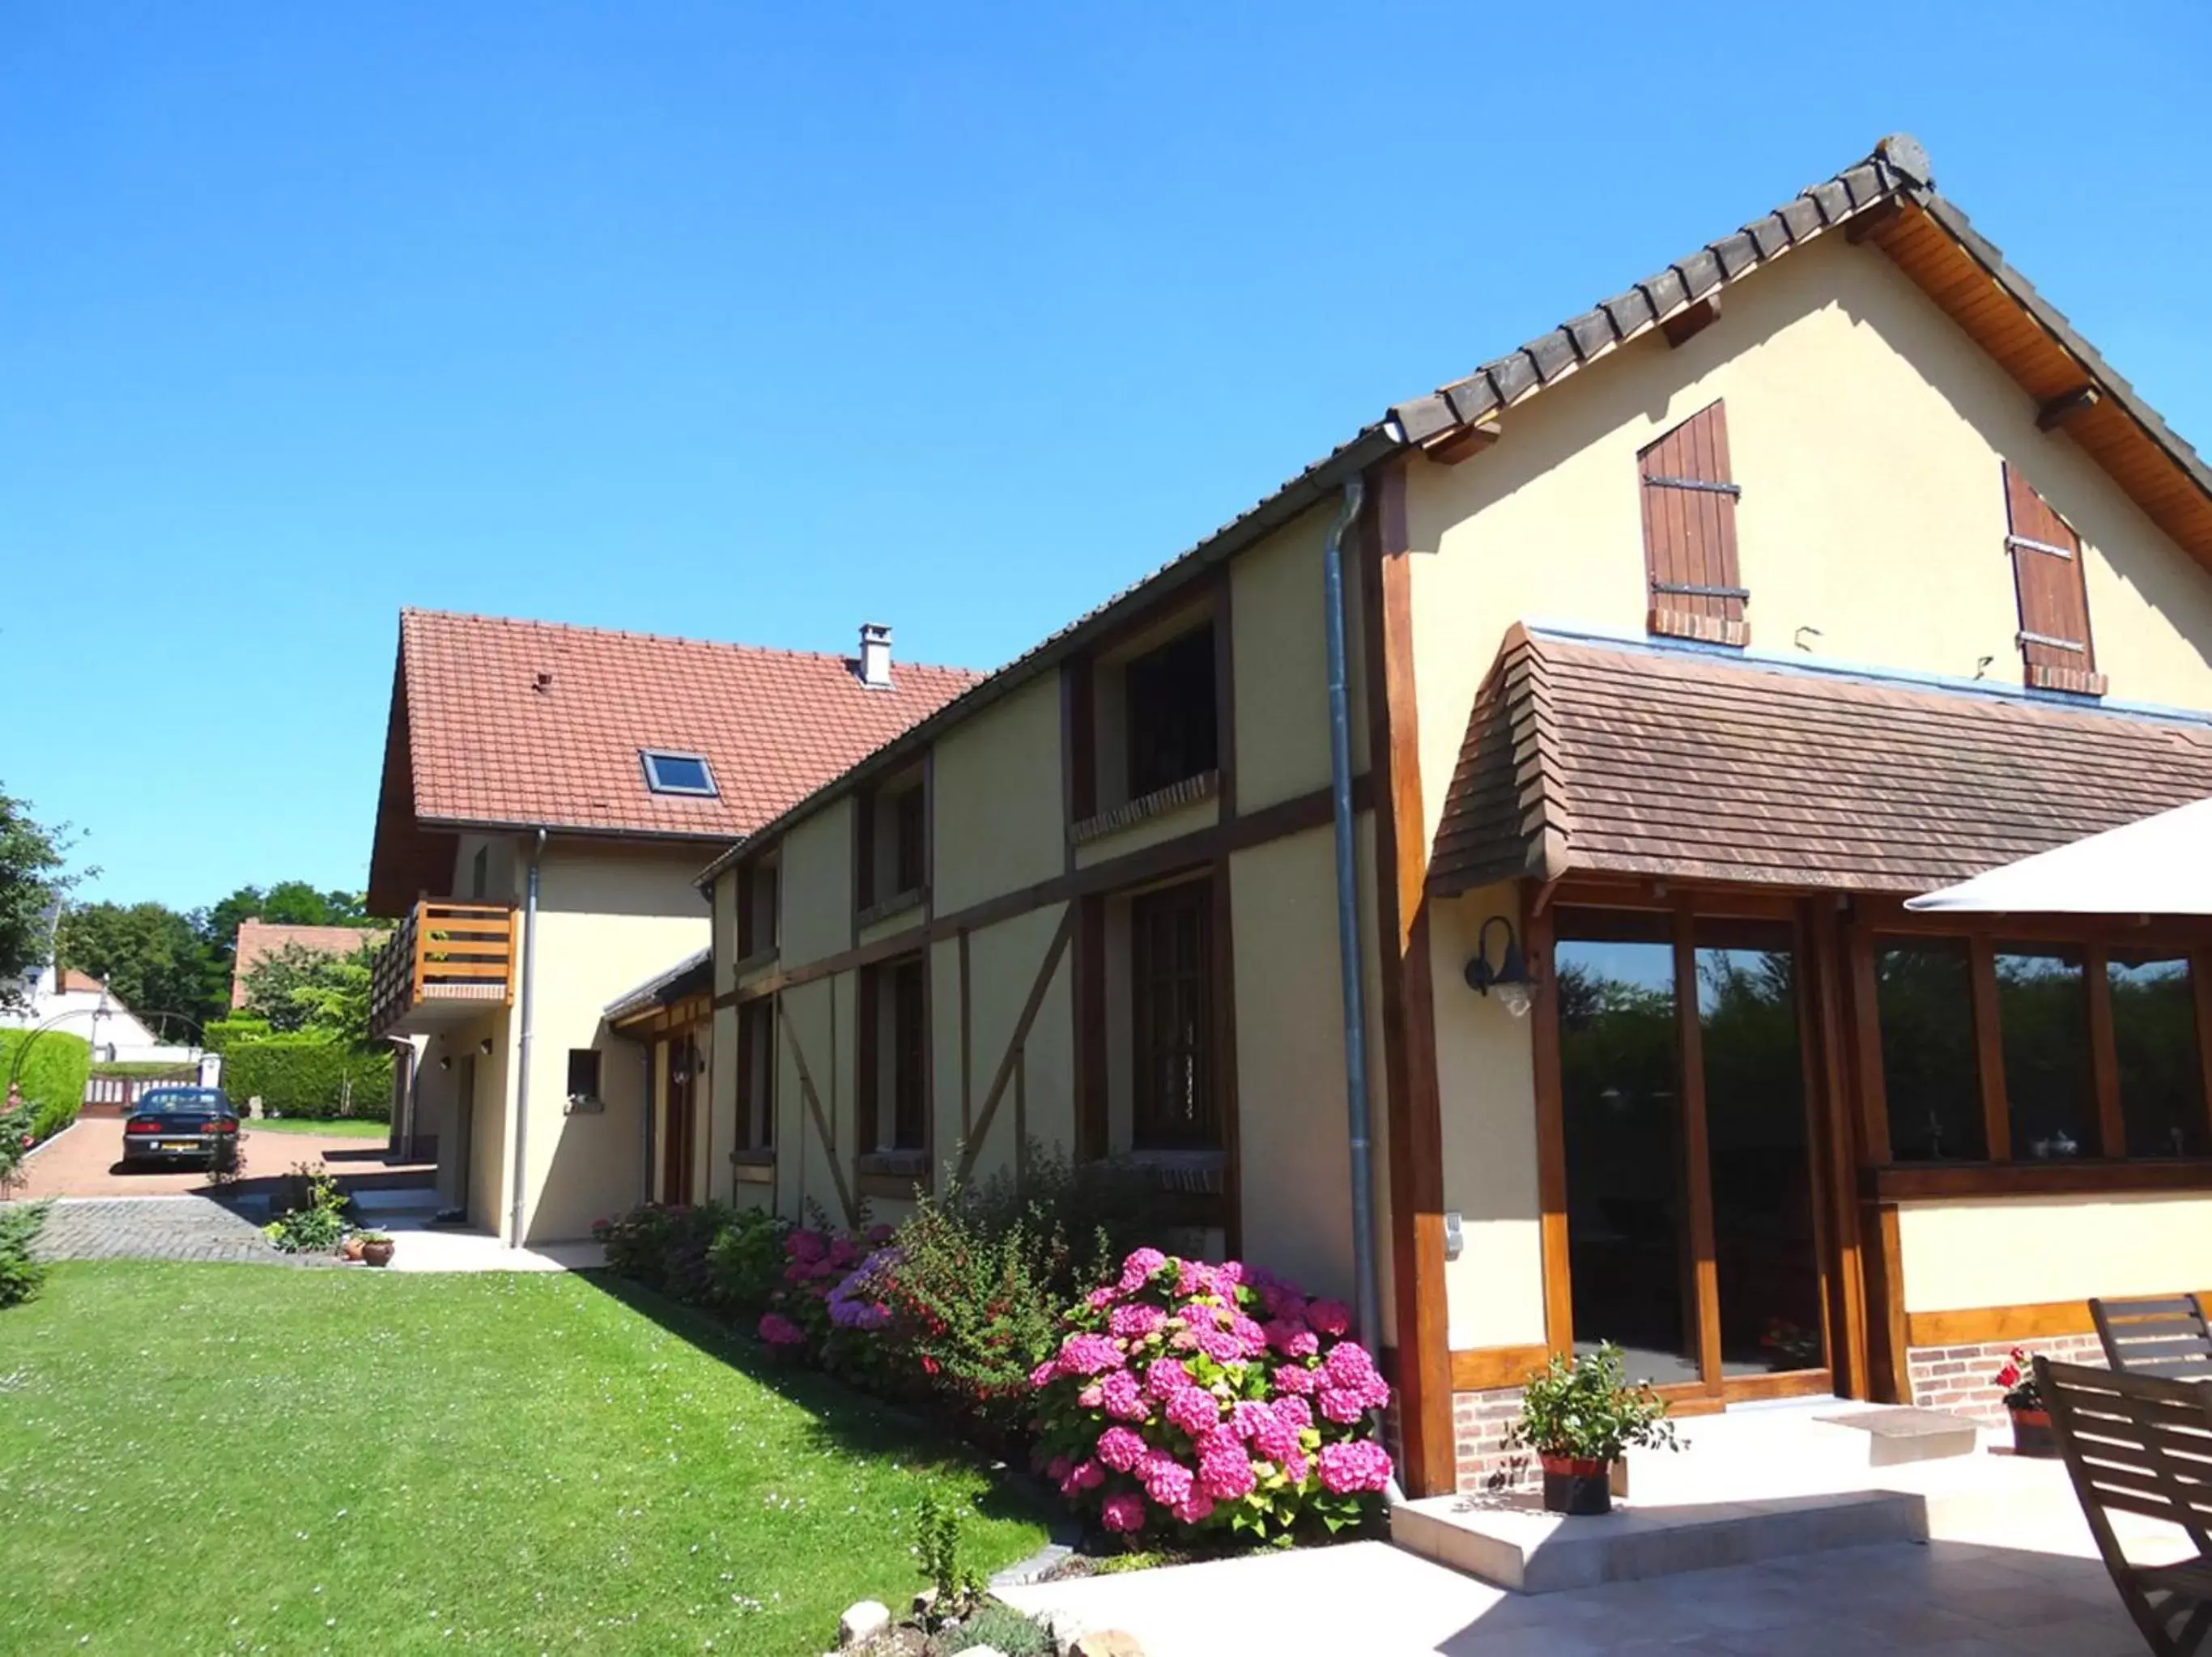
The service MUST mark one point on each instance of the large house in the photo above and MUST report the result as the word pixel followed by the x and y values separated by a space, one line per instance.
pixel 549 793
pixel 1824 567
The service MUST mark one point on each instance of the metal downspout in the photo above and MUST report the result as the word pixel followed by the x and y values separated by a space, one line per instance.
pixel 522 1083
pixel 1368 1282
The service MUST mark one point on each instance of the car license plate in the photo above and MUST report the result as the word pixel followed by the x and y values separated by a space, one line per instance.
pixel 178 1144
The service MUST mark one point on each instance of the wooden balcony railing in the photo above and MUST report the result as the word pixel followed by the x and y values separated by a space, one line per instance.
pixel 445 956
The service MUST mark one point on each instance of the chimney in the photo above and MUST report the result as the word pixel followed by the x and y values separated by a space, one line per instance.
pixel 875 656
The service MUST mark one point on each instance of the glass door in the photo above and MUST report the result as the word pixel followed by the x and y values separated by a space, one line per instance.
pixel 1692 1237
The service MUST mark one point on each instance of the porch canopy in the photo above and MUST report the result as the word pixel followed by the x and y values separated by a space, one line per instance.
pixel 1590 758
pixel 2161 866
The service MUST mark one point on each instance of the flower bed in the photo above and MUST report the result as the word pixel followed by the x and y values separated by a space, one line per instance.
pixel 1197 1404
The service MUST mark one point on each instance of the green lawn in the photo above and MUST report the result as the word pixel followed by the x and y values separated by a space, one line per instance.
pixel 347 1127
pixel 240 1458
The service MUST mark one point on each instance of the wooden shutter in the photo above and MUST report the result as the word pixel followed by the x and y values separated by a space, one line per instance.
pixel 2054 595
pixel 1689 533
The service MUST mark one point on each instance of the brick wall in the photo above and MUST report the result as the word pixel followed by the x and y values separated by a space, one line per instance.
pixel 1479 1424
pixel 1957 1378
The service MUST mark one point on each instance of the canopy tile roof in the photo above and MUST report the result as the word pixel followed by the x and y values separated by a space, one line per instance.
pixel 1584 758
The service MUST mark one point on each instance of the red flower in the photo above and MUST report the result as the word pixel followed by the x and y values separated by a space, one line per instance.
pixel 2008 1377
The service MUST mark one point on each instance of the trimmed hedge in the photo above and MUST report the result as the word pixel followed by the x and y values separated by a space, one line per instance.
pixel 221 1034
pixel 52 1078
pixel 307 1076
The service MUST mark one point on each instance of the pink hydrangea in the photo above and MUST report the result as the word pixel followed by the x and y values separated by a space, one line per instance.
pixel 1330 1317
pixel 806 1245
pixel 1228 1274
pixel 1341 1406
pixel 1099 1299
pixel 1124 1513
pixel 1347 1365
pixel 1087 1355
pixel 1134 1322
pixel 1120 1449
pixel 1194 1509
pixel 1165 1378
pixel 1293 1340
pixel 1138 1267
pixel 1294 1412
pixel 1248 1415
pixel 1295 1379
pixel 1295 1467
pixel 1092 1396
pixel 1225 1472
pixel 778 1330
pixel 1045 1374
pixel 1249 1335
pixel 1083 1476
pixel 1193 1411
pixel 1275 1439
pixel 1359 1465
pixel 1122 1397
pixel 1057 1468
pixel 1167 1481
pixel 1219 1346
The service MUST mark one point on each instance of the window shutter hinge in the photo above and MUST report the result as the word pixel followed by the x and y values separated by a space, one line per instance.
pixel 2046 640
pixel 1704 486
pixel 1692 589
pixel 2020 543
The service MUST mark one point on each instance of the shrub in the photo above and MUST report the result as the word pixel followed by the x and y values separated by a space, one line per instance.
pixel 745 1261
pixel 1587 1410
pixel 221 1034
pixel 953 1586
pixel 308 1075
pixel 1172 1405
pixel 316 1224
pixel 20 1274
pixel 999 1627
pixel 665 1247
pixel 52 1077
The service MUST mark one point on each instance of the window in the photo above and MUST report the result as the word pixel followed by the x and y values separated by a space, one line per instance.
pixel 1171 1019
pixel 678 774
pixel 892 856
pixel 757 1074
pixel 2160 1067
pixel 893 1019
pixel 2043 1013
pixel 583 1076
pixel 1170 719
pixel 757 917
pixel 1690 564
pixel 1924 998
pixel 480 874
pixel 2055 650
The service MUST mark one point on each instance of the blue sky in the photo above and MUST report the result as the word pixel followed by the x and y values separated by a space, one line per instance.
pixel 754 322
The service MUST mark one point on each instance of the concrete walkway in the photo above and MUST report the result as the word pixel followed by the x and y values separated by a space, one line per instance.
pixel 421 1247
pixel 2007 1593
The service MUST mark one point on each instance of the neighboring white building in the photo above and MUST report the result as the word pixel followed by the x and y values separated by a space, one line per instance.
pixel 86 1007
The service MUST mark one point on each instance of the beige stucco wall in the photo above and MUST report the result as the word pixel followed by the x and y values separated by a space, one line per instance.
pixel 1169 825
pixel 609 918
pixel 1486 1080
pixel 997 787
pixel 2025 1251
pixel 1280 653
pixel 816 902
pixel 1866 432
pixel 1002 965
pixel 820 1031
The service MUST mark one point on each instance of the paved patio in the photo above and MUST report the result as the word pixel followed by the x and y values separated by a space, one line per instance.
pixel 2017 1594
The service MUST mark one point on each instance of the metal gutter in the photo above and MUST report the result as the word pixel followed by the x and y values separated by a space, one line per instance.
pixel 522 1079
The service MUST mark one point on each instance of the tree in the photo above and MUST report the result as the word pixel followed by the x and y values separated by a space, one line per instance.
pixel 297 988
pixel 153 958
pixel 287 903
pixel 32 860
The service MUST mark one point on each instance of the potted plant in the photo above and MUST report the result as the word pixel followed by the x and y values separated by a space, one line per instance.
pixel 1579 1418
pixel 351 1247
pixel 2023 1401
pixel 375 1248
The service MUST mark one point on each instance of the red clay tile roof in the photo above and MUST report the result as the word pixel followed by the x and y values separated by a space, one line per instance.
pixel 527 724
pixel 1584 758
pixel 79 983
pixel 260 939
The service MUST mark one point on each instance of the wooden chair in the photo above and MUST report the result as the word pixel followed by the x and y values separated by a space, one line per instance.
pixel 2139 1444
pixel 2167 1336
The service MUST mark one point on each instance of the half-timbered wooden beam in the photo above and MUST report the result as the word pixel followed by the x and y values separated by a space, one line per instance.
pixel 1685 325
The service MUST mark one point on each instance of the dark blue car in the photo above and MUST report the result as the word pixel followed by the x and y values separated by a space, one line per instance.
pixel 174 1125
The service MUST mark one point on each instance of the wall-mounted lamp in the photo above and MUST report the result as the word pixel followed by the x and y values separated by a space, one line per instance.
pixel 1509 977
pixel 446 1061
pixel 484 1046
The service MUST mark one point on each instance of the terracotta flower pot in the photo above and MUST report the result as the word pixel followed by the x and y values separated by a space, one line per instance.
pixel 1581 1485
pixel 350 1248
pixel 377 1253
pixel 2031 1434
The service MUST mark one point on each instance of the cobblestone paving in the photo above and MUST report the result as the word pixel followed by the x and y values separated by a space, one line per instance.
pixel 160 1229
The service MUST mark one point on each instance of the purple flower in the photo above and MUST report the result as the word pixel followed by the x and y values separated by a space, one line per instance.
pixel 778 1330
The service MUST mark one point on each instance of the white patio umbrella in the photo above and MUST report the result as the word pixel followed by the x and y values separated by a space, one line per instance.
pixel 2161 866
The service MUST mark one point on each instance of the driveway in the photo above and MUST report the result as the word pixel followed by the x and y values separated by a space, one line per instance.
pixel 158 1229
pixel 85 1161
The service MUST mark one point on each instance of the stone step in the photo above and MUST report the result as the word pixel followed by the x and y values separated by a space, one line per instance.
pixel 1794 1451
pixel 1509 1542
pixel 371 1206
